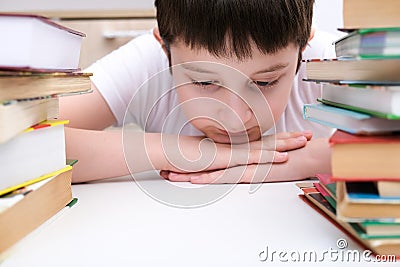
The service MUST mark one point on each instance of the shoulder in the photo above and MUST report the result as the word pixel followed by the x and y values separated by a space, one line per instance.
pixel 142 47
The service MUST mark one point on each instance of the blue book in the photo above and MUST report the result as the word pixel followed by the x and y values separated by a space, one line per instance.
pixel 348 120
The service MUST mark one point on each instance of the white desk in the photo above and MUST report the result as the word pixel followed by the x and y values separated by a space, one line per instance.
pixel 115 224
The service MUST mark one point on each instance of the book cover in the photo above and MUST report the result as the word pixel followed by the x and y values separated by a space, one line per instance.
pixel 380 228
pixel 373 100
pixel 348 120
pixel 328 183
pixel 370 43
pixel 33 207
pixel 357 157
pixel 36 42
pixel 370 14
pixel 353 69
pixel 382 246
pixel 355 211
pixel 373 113
pixel 325 194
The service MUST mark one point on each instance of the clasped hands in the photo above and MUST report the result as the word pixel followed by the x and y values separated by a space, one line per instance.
pixel 243 163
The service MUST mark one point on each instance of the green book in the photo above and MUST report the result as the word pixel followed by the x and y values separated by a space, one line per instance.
pixel 376 43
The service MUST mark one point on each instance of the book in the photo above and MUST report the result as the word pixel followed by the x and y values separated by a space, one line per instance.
pixel 370 14
pixel 353 69
pixel 39 151
pixel 325 181
pixel 369 43
pixel 379 246
pixel 16 116
pixel 357 202
pixel 377 101
pixel 326 194
pixel 379 228
pixel 371 228
pixel 24 210
pixel 388 188
pixel 365 158
pixel 22 85
pixel 348 120
pixel 367 192
pixel 35 42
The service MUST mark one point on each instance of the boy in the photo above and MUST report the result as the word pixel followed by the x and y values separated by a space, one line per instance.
pixel 233 78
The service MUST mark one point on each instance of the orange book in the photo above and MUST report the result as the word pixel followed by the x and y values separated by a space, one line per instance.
pixel 24 210
pixel 365 158
pixel 370 14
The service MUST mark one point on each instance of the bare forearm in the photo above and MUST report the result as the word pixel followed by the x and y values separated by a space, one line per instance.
pixel 99 154
pixel 105 154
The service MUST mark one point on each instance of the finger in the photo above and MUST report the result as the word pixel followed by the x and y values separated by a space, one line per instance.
pixel 291 143
pixel 179 177
pixel 239 174
pixel 164 174
pixel 282 141
pixel 235 175
pixel 283 144
pixel 287 135
pixel 247 157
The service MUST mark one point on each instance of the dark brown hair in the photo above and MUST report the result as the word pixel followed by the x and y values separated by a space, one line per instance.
pixel 227 27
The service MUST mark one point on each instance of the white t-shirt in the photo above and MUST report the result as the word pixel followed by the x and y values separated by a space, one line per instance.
pixel 137 85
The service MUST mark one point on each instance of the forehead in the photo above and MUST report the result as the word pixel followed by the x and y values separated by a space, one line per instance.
pixel 182 53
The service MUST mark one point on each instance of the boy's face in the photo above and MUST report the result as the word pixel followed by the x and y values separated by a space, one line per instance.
pixel 233 101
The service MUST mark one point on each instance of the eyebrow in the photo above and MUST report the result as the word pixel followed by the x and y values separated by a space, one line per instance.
pixel 272 68
pixel 196 69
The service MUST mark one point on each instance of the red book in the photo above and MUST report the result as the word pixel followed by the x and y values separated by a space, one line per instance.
pixel 365 158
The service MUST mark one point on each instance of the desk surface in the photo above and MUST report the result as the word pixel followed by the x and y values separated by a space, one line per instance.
pixel 115 223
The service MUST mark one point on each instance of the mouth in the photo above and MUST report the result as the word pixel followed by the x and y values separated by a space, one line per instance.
pixel 234 137
pixel 233 134
pixel 228 137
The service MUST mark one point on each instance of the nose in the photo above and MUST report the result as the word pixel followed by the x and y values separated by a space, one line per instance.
pixel 234 112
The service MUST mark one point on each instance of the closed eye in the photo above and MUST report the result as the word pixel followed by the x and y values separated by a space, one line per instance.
pixel 207 85
pixel 265 84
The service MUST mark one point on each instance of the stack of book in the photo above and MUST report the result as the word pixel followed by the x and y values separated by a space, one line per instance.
pixel 38 64
pixel 361 99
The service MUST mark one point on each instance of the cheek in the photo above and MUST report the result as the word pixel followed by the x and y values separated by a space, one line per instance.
pixel 278 99
pixel 195 104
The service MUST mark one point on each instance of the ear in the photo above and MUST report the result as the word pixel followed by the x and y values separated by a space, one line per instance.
pixel 312 32
pixel 156 33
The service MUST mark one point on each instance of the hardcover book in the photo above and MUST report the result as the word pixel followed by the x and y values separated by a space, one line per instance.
pixel 34 42
pixel 356 157
pixel 385 70
pixel 16 116
pixel 380 246
pixel 370 43
pixel 348 120
pixel 40 150
pixel 23 85
pixel 370 14
pixel 376 100
pixel 27 208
